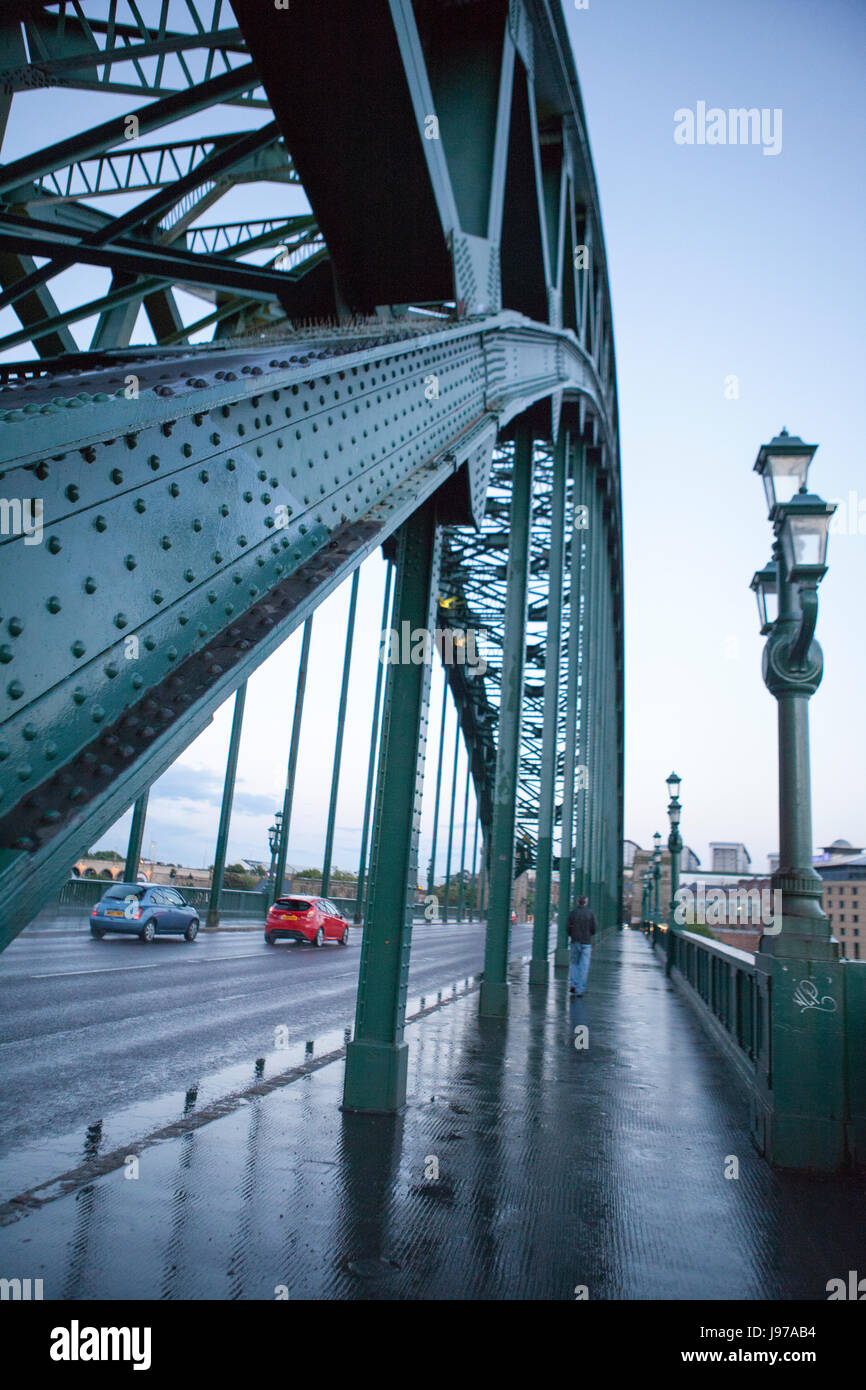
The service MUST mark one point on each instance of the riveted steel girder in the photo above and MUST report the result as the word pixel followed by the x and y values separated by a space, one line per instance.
pixel 189 523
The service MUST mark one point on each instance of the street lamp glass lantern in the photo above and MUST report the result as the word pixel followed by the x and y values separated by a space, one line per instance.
pixel 783 465
pixel 674 811
pixel 272 838
pixel 804 532
pixel 673 785
pixel 765 586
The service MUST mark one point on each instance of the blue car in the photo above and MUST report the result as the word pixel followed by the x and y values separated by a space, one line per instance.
pixel 144 910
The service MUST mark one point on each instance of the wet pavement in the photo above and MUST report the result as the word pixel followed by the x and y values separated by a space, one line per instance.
pixel 117 1032
pixel 523 1167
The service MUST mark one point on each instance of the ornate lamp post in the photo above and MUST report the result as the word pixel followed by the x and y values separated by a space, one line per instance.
pixel 675 844
pixel 274 843
pixel 798 1116
pixel 657 873
pixel 675 847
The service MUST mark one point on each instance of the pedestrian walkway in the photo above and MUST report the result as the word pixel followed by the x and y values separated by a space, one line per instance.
pixel 523 1167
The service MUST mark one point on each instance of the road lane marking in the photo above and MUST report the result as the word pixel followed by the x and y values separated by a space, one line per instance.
pixel 155 965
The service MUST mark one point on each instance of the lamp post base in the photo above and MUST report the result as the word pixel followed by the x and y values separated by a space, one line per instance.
pixel 798 1108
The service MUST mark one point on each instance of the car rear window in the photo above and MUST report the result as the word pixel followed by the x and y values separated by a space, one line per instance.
pixel 294 904
pixel 124 891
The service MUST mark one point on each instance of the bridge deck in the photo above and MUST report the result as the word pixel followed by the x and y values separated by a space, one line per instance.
pixel 558 1167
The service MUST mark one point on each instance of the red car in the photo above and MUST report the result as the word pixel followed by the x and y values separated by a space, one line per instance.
pixel 306 919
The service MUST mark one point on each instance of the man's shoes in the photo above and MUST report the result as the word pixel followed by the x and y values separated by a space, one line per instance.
pixel 571 989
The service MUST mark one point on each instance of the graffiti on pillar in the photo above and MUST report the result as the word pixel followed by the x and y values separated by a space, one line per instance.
pixel 806 995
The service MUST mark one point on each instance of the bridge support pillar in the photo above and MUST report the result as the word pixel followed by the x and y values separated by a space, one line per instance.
pixel 136 836
pixel 294 748
pixel 338 745
pixel 562 954
pixel 539 969
pixel 219 863
pixel 494 987
pixel 377 1057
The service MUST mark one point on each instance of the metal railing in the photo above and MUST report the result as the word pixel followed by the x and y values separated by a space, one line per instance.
pixel 721 976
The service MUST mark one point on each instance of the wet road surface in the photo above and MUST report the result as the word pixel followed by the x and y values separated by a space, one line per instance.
pixel 91 1029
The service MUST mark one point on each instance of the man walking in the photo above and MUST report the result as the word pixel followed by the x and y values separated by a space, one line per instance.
pixel 581 929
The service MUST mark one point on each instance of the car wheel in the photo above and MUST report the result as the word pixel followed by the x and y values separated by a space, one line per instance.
pixel 147 932
pixel 344 939
pixel 97 933
pixel 270 940
pixel 319 938
pixel 191 932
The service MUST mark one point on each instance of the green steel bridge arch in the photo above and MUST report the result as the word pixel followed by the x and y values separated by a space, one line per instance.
pixel 422 359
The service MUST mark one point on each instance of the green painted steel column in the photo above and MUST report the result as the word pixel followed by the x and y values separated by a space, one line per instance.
pixel 376 1058
pixel 338 745
pixel 494 988
pixel 451 822
pixel 539 968
pixel 294 747
pixel 136 836
pixel 596 651
pixel 582 804
pixel 431 876
pixel 374 747
pixel 462 889
pixel 562 952
pixel 219 865
pixel 601 722
pixel 474 908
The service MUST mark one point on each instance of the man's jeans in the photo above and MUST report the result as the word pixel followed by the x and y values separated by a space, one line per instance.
pixel 579 969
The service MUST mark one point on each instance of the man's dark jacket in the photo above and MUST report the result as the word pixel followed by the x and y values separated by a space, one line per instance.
pixel 582 925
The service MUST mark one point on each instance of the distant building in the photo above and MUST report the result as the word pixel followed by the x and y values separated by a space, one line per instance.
pixel 844 898
pixel 840 849
pixel 729 857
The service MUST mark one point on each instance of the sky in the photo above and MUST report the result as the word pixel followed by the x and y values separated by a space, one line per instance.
pixel 738 299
